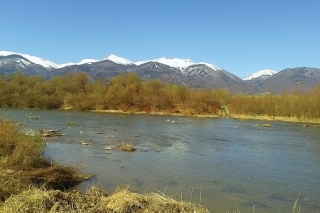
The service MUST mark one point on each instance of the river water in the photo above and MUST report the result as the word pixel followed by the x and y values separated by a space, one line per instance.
pixel 223 164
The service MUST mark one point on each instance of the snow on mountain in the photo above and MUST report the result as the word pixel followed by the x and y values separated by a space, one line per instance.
pixel 141 62
pixel 84 61
pixel 40 61
pixel 262 74
pixel 87 61
pixel 210 65
pixel 66 64
pixel 118 60
pixel 181 64
pixel 23 63
pixel 174 62
pixel 113 58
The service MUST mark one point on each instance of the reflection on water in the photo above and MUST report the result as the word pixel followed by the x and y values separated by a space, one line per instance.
pixel 223 164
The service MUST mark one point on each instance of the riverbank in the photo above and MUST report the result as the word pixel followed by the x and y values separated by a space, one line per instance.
pixel 276 118
pixel 234 116
pixel 95 200
pixel 22 164
pixel 159 113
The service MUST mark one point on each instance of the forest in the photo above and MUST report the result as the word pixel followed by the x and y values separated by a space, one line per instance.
pixel 127 92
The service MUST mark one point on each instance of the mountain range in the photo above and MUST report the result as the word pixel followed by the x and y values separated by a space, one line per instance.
pixel 176 71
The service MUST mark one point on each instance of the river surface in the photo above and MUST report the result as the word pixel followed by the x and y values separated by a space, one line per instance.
pixel 223 164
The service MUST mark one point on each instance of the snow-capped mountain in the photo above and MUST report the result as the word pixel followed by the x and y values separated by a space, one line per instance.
pixel 261 75
pixel 118 60
pixel 292 79
pixel 214 67
pixel 174 70
pixel 201 68
pixel 51 65
pixel 34 59
pixel 196 75
pixel 178 63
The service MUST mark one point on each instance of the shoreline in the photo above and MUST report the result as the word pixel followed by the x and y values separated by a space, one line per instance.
pixel 233 116
pixel 156 113
pixel 276 118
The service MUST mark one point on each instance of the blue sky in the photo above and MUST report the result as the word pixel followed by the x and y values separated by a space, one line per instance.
pixel 241 37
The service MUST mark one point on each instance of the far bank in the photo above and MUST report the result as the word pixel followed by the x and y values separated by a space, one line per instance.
pixel 220 115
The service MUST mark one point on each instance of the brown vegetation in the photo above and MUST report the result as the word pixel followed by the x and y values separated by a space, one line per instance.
pixel 95 200
pixel 296 105
pixel 127 147
pixel 124 92
pixel 128 93
pixel 23 165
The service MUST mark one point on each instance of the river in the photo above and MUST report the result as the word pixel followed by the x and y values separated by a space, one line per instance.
pixel 224 164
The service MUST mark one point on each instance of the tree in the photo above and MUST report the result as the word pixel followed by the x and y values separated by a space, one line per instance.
pixel 152 93
pixel 81 80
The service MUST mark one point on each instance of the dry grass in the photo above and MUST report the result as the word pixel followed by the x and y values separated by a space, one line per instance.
pixel 124 201
pixel 21 151
pixel 54 177
pixel 276 118
pixel 8 138
pixel 127 147
pixel 23 164
pixel 94 200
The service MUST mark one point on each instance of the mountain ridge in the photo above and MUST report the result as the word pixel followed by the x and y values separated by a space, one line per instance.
pixel 173 70
pixel 40 61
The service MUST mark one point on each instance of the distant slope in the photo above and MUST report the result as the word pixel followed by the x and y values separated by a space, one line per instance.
pixel 98 70
pixel 214 77
pixel 195 76
pixel 156 70
pixel 292 79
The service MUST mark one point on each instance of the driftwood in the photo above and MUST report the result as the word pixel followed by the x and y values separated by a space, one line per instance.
pixel 51 133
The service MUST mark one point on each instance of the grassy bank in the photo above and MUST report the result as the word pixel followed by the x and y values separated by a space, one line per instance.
pixel 231 115
pixel 276 118
pixel 23 164
pixel 94 200
pixel 31 183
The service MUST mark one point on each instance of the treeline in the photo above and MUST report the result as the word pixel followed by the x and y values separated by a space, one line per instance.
pixel 128 92
pixel 296 104
pixel 125 92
